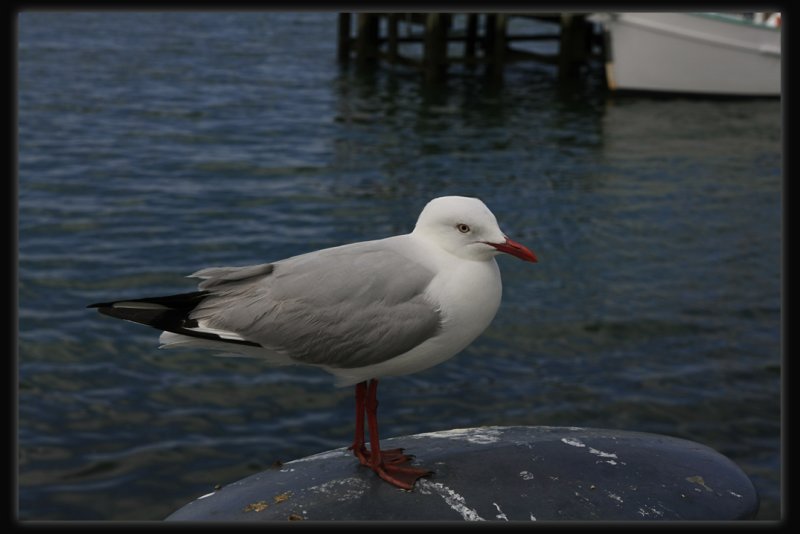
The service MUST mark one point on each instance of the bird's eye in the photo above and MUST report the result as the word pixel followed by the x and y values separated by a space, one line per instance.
pixel 463 228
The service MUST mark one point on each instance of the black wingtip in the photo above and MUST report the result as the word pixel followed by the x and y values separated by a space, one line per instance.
pixel 171 315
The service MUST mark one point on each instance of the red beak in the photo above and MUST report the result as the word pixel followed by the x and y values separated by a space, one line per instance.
pixel 515 249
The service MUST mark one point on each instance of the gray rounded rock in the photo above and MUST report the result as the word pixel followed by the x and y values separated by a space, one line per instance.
pixel 499 474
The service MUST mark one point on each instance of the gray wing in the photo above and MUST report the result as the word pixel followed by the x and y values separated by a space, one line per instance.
pixel 342 307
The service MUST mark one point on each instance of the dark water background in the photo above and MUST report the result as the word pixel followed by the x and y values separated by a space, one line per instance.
pixel 151 145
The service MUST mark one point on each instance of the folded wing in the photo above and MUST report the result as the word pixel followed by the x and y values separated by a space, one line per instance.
pixel 332 307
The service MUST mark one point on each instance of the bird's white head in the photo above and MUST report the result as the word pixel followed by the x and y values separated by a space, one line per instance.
pixel 465 227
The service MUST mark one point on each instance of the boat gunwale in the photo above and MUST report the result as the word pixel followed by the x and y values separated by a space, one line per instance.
pixel 729 17
pixel 702 37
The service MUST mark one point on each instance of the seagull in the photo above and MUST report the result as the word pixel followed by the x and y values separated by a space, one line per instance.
pixel 361 311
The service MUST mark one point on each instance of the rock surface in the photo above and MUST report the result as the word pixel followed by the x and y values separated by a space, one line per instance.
pixel 499 474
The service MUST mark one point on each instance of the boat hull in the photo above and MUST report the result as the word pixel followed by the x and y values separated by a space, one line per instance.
pixel 692 53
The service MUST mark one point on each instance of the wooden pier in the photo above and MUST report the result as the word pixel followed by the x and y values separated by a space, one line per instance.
pixel 486 41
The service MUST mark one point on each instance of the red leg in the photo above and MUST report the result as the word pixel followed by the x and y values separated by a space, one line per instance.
pixel 359 448
pixel 387 464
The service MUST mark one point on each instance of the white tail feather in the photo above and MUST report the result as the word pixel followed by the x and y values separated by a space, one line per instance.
pixel 171 340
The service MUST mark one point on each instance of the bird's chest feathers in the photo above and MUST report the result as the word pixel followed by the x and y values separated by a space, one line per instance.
pixel 469 294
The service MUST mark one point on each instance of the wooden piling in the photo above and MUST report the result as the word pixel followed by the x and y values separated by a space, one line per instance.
pixel 435 54
pixel 486 41
pixel 573 45
pixel 367 40
pixel 343 42
pixel 471 38
pixel 499 45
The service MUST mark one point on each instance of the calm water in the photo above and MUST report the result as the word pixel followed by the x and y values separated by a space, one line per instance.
pixel 151 145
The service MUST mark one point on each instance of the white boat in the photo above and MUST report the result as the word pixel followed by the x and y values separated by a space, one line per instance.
pixel 707 53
